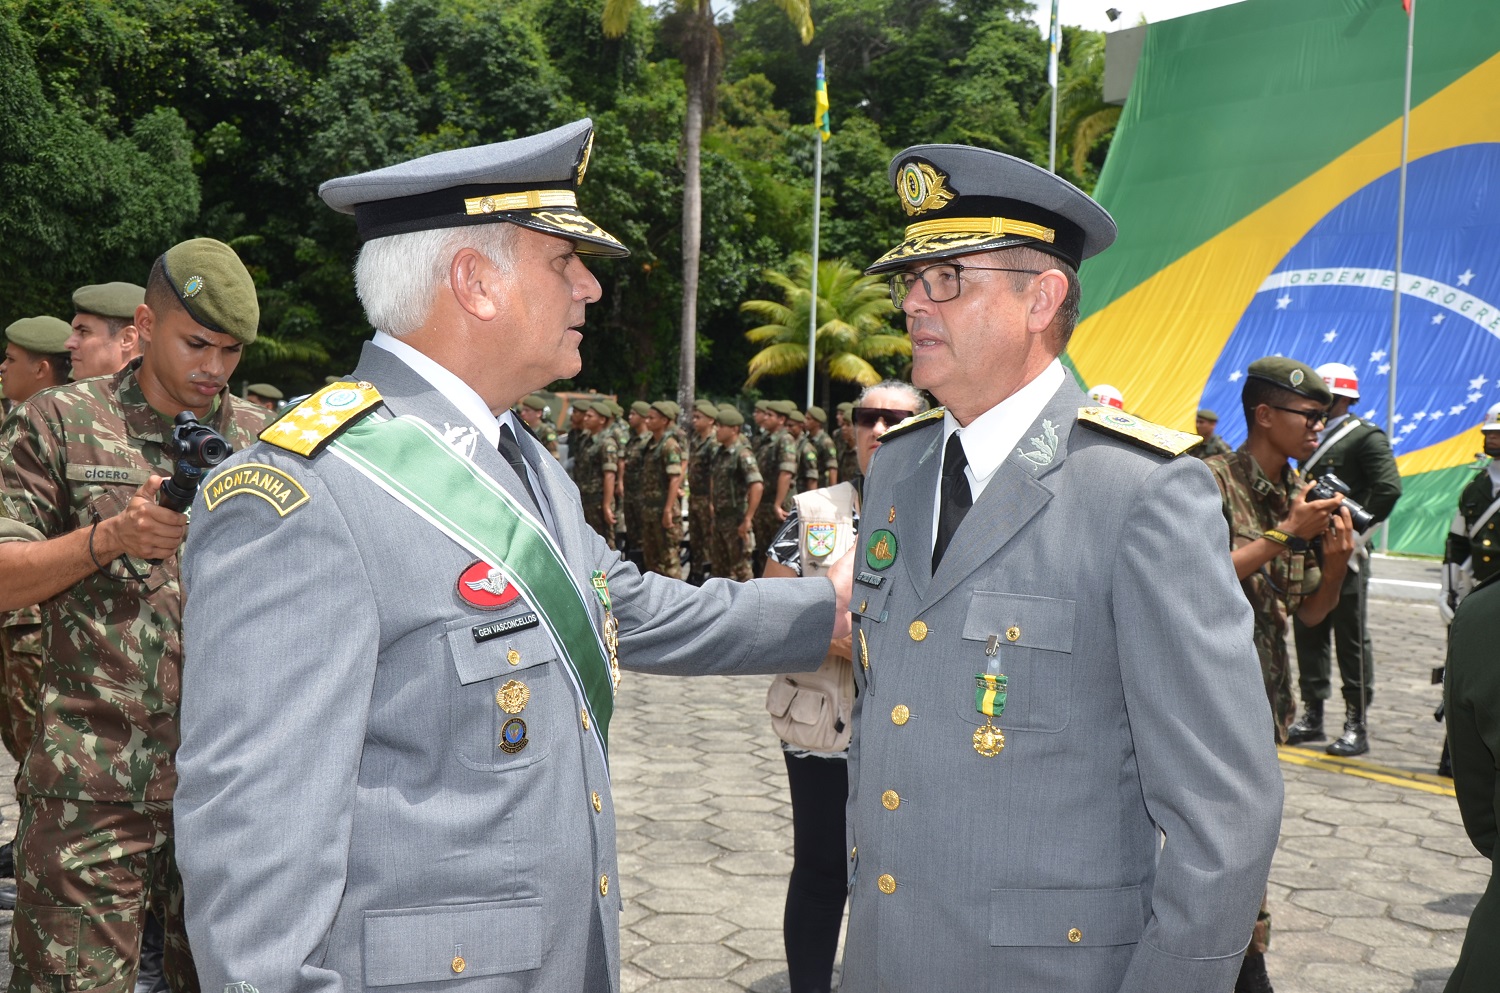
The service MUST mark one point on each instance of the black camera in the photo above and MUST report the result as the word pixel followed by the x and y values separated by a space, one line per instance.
pixel 1327 487
pixel 194 448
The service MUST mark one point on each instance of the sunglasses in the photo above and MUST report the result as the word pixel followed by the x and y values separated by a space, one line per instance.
pixel 868 417
pixel 1315 418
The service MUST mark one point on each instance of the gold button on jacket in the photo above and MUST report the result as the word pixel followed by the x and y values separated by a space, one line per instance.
pixel 900 714
pixel 918 630
pixel 887 883
pixel 1012 633
pixel 604 885
pixel 890 799
pixel 458 964
pixel 1075 936
pixel 598 803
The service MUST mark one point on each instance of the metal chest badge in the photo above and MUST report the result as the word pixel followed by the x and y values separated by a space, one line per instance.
pixel 989 700
pixel 821 538
pixel 483 586
pixel 611 626
pixel 881 551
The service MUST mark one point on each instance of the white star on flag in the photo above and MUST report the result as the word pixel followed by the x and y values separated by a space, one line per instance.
pixel 1234 377
pixel 1437 318
pixel 1408 428
pixel 1330 336
pixel 1398 418
pixel 1397 440
pixel 1435 414
pixel 1419 415
pixel 1474 397
pixel 1368 414
pixel 1456 409
pixel 1385 367
pixel 1377 355
pixel 1466 278
pixel 1282 302
pixel 1477 383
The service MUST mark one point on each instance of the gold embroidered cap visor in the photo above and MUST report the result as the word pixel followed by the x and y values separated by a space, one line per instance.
pixel 531 181
pixel 959 200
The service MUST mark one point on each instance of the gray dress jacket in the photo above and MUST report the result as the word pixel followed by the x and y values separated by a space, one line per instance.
pixel 1122 838
pixel 346 816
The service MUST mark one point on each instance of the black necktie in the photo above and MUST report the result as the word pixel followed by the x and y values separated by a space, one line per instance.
pixel 511 449
pixel 955 499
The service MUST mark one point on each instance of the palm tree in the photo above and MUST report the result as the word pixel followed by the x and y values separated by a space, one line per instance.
pixel 1084 119
pixel 702 64
pixel 854 313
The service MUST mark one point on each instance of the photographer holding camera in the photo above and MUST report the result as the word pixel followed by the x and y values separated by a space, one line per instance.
pixel 91 473
pixel 1290 542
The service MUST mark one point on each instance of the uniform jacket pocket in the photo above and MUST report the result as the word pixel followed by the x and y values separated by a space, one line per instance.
pixel 504 706
pixel 432 944
pixel 1032 641
pixel 1066 917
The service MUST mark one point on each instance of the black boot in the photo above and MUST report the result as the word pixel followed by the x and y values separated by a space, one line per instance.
pixel 1308 727
pixel 1253 978
pixel 1353 741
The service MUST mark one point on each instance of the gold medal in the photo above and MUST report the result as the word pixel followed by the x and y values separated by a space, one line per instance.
pixel 612 644
pixel 989 740
pixel 513 696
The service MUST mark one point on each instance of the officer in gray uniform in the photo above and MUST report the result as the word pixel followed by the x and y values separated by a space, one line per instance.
pixel 470 626
pixel 1047 631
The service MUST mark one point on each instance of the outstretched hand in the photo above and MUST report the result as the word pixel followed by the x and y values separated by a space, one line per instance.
pixel 841 574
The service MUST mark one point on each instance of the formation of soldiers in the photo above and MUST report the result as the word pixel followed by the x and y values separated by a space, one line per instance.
pixel 638 469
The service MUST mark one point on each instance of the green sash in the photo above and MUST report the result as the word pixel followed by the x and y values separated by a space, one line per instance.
pixel 408 458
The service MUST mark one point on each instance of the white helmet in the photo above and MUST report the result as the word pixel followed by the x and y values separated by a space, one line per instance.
pixel 1342 380
pixel 1491 419
pixel 1107 395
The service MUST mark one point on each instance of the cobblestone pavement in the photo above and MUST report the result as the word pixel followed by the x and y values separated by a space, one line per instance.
pixel 1370 890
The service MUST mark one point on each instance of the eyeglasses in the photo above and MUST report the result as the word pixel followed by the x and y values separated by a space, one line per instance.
pixel 868 417
pixel 942 281
pixel 1315 418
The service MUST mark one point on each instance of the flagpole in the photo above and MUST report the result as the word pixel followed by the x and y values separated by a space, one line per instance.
pixel 1390 399
pixel 812 306
pixel 1053 42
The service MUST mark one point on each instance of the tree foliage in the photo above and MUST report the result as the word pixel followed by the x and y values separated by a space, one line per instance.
pixel 126 125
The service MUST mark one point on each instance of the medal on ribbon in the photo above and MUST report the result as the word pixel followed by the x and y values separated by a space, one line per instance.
pixel 989 700
pixel 611 626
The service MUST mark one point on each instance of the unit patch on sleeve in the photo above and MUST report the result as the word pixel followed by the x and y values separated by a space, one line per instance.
pixel 271 485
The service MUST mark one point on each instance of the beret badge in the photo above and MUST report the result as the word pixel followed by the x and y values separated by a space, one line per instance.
pixel 922 188
pixel 193 286
pixel 1296 377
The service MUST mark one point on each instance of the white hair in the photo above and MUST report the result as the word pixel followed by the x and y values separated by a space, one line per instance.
pixel 918 399
pixel 396 277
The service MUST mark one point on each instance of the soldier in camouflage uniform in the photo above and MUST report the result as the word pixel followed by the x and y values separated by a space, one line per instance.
pixel 1212 444
pixel 777 460
pixel 630 468
pixel 594 469
pixel 807 474
pixel 736 493
pixel 822 442
pixel 88 541
pixel 1270 527
pixel 538 419
pixel 659 483
pixel 700 499
pixel 848 454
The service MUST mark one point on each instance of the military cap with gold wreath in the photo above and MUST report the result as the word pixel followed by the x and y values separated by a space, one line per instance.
pixel 961 199
pixel 531 181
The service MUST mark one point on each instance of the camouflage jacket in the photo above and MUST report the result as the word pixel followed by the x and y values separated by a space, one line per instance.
pixel 1253 503
pixel 700 468
pixel 828 456
pixel 1212 445
pixel 545 433
pixel 734 471
pixel 777 454
pixel 107 727
pixel 630 461
pixel 808 475
pixel 596 456
pixel 848 463
pixel 659 461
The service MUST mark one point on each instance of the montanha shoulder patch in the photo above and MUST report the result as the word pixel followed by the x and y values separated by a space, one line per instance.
pixel 915 421
pixel 272 485
pixel 1142 434
pixel 312 424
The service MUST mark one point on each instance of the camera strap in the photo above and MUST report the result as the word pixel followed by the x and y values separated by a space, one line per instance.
pixel 1330 441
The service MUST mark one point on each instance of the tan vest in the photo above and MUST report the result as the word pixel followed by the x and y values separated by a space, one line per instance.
pixel 814 710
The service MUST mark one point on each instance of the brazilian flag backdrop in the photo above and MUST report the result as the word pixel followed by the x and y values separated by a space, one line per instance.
pixel 1254 177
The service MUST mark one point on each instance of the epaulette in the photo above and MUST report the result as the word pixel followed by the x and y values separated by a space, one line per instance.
pixel 1142 434
pixel 312 424
pixel 913 422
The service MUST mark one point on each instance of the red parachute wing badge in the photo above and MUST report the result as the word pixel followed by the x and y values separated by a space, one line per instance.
pixel 483 586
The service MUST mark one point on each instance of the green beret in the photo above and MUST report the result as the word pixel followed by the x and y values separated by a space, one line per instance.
pixel 1204 414
pixel 847 409
pixel 796 416
pixel 817 414
pixel 706 408
pixel 534 402
pixel 667 409
pixel 1289 374
pixel 601 407
pixel 40 335
pixel 783 407
pixel 214 287
pixel 641 407
pixel 615 409
pixel 265 390
pixel 729 416
pixel 762 405
pixel 109 299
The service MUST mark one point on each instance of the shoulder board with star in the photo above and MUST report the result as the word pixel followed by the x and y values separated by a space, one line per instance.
pixel 1142 434
pixel 913 422
pixel 308 428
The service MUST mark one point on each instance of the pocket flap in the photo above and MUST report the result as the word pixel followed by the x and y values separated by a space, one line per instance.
pixel 47 938
pixel 420 945
pixel 1066 917
pixel 869 602
pixel 807 707
pixel 779 696
pixel 482 648
pixel 1039 622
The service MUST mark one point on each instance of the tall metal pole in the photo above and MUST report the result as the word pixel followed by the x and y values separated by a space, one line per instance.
pixel 812 307
pixel 1390 399
pixel 1054 42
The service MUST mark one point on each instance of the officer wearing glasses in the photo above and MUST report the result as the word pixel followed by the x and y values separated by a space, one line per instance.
pixel 1047 633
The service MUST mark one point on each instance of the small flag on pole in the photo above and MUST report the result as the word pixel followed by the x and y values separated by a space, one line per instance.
pixel 1056 42
pixel 825 128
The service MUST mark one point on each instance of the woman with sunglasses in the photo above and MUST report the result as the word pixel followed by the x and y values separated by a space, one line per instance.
pixel 812 711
